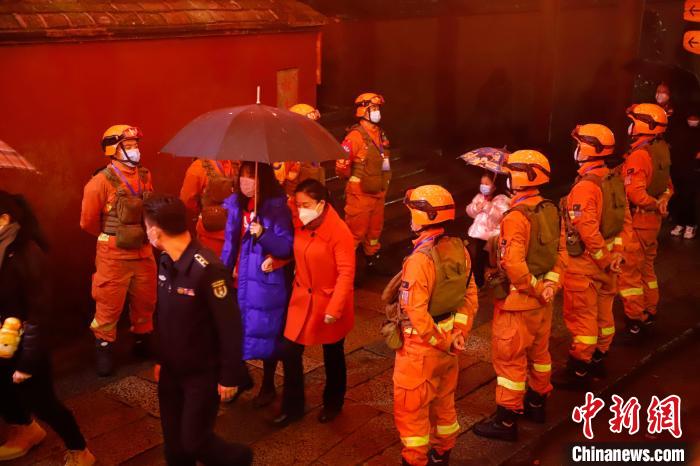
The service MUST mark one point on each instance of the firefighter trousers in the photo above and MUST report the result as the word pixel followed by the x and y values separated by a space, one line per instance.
pixel 364 215
pixel 639 287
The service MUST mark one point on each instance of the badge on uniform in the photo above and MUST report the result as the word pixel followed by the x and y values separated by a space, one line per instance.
pixel 185 291
pixel 576 212
pixel 220 289
pixel 347 147
pixel 404 294
pixel 201 260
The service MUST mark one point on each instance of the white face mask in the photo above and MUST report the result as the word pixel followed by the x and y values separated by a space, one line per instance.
pixel 248 186
pixel 152 236
pixel 307 215
pixel 485 189
pixel 630 128
pixel 508 184
pixel 693 123
pixel 576 152
pixel 662 98
pixel 131 156
pixel 375 116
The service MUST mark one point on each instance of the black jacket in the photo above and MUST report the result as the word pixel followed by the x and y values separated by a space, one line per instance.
pixel 25 294
pixel 197 320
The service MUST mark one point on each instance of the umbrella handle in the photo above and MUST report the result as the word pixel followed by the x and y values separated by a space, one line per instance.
pixel 255 196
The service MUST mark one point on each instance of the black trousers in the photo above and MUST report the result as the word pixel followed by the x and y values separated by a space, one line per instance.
pixel 36 396
pixel 336 377
pixel 480 259
pixel 684 207
pixel 188 408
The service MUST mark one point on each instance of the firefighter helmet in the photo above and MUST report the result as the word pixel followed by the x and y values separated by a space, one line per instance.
pixel 430 205
pixel 527 169
pixel 115 135
pixel 647 119
pixel 365 101
pixel 594 141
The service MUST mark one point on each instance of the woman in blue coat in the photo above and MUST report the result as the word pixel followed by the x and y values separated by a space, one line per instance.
pixel 252 241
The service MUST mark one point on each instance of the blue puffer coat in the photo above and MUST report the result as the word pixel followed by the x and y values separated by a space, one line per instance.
pixel 263 297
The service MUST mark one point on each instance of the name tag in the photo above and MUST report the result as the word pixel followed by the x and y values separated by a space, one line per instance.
pixel 386 165
pixel 185 291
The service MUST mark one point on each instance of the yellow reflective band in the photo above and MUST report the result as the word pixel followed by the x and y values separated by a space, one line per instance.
pixel 586 339
pixel 598 254
pixel 416 441
pixel 461 319
pixel 103 238
pixel 609 246
pixel 354 179
pixel 533 281
pixel 447 430
pixel 446 325
pixel 605 331
pixel 627 292
pixel 509 384
pixel 653 285
pixel 552 277
pixel 618 241
pixel 433 341
pixel 373 242
pixel 542 367
pixel 106 327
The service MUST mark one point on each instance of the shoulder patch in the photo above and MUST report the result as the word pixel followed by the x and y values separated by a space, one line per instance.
pixel 201 260
pixel 219 288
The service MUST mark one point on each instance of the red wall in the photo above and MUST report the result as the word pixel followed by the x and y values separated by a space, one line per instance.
pixel 58 99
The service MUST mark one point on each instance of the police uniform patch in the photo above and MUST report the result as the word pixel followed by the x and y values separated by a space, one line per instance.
pixel 220 289
pixel 201 260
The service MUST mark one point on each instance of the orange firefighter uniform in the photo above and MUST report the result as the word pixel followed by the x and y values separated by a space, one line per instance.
pixel 119 272
pixel 647 181
pixel 427 368
pixel 193 193
pixel 369 172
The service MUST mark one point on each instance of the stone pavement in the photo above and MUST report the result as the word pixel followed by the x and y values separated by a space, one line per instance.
pixel 120 416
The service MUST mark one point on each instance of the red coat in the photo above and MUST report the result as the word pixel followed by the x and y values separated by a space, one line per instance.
pixel 323 282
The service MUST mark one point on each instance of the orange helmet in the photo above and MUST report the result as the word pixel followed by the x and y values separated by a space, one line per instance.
pixel 115 135
pixel 430 205
pixel 647 119
pixel 594 141
pixel 306 110
pixel 365 101
pixel 527 169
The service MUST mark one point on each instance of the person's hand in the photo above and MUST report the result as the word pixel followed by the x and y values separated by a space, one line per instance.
pixel 266 266
pixel 459 344
pixel 256 229
pixel 662 206
pixel 329 319
pixel 548 293
pixel 226 394
pixel 19 377
pixel 156 372
pixel 616 264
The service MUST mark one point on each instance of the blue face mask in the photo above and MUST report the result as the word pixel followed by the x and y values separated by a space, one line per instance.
pixel 485 189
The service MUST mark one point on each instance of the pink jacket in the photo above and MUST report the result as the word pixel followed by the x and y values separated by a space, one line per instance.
pixel 487 215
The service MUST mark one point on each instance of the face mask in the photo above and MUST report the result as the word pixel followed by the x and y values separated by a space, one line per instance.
pixel 375 116
pixel 508 184
pixel 630 128
pixel 307 215
pixel 662 98
pixel 131 156
pixel 153 237
pixel 576 152
pixel 485 189
pixel 693 123
pixel 248 186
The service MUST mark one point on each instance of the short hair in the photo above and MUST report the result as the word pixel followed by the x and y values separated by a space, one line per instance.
pixel 166 212
pixel 314 189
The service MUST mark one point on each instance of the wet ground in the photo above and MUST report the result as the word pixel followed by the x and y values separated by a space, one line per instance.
pixel 119 415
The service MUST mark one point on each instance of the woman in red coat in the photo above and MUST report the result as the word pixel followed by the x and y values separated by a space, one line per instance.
pixel 321 308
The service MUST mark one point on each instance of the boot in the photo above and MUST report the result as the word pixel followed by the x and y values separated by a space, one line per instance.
pixel 501 426
pixel 21 439
pixel 575 376
pixel 534 406
pixel 142 345
pixel 633 333
pixel 650 320
pixel 79 458
pixel 103 357
pixel 436 459
pixel 597 367
pixel 264 397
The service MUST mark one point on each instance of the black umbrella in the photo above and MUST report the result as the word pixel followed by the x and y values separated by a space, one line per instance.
pixel 679 79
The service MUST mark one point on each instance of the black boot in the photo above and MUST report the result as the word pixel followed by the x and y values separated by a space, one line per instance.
pixel 501 426
pixel 103 358
pixel 264 397
pixel 650 320
pixel 534 406
pixel 142 345
pixel 575 376
pixel 597 367
pixel 436 459
pixel 633 333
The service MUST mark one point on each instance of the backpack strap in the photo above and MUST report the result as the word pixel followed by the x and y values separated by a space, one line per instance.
pixel 112 177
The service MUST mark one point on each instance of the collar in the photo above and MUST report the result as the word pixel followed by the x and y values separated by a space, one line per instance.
pixel 595 168
pixel 124 168
pixel 187 257
pixel 524 197
pixel 427 236
pixel 641 142
pixel 315 223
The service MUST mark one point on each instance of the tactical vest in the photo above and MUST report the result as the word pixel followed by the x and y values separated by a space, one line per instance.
pixel 124 220
pixel 661 167
pixel 307 170
pixel 451 275
pixel 614 202
pixel 373 179
pixel 218 188
pixel 544 235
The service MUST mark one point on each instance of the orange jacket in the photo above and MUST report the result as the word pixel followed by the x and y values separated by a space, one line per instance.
pixel 98 199
pixel 514 243
pixel 354 146
pixel 193 188
pixel 417 284
pixel 584 207
pixel 638 173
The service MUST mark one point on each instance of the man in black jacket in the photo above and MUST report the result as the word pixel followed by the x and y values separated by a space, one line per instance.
pixel 198 334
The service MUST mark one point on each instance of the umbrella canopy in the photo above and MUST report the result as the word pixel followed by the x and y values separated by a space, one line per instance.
pixel 489 158
pixel 255 133
pixel 10 158
pixel 680 80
